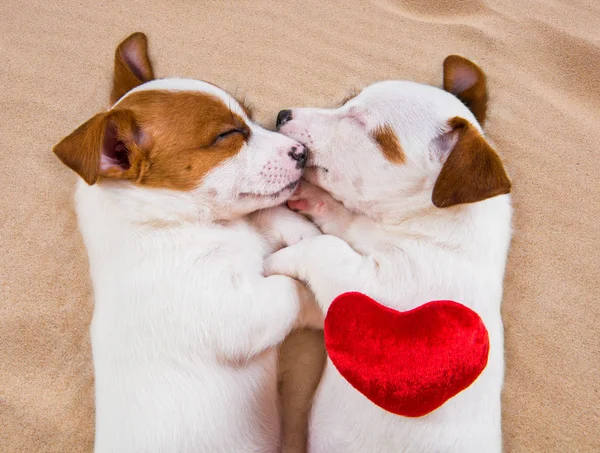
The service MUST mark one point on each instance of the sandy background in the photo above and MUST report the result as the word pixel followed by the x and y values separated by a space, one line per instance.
pixel 543 64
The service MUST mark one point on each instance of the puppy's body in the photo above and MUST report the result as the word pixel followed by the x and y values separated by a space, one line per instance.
pixel 183 328
pixel 185 324
pixel 423 214
pixel 424 259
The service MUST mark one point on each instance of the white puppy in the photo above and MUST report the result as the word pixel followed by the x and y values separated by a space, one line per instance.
pixel 419 211
pixel 185 324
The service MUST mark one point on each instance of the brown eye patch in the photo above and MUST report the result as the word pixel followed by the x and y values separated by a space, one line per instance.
pixel 183 130
pixel 389 144
pixel 234 131
pixel 225 134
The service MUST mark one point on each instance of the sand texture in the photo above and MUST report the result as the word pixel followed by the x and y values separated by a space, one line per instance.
pixel 542 59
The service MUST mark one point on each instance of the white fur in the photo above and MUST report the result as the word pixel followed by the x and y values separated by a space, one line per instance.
pixel 384 237
pixel 185 324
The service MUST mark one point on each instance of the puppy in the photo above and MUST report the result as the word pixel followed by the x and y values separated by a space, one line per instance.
pixel 185 324
pixel 419 211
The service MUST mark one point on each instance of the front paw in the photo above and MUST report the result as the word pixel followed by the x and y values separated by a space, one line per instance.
pixel 314 203
pixel 299 230
pixel 286 261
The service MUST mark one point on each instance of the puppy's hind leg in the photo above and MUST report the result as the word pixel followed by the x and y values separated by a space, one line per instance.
pixel 302 358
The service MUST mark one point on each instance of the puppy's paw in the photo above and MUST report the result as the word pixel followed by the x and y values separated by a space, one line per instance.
pixel 313 202
pixel 286 261
pixel 299 229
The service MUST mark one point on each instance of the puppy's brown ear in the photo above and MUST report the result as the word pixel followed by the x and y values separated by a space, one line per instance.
pixel 467 82
pixel 132 66
pixel 108 145
pixel 472 171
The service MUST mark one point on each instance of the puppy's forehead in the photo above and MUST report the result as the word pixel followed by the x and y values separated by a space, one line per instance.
pixel 189 85
pixel 422 103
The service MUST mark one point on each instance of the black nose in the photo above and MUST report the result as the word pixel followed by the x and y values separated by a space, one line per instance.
pixel 300 154
pixel 283 117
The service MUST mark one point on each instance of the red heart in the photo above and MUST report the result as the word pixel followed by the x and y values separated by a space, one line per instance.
pixel 408 363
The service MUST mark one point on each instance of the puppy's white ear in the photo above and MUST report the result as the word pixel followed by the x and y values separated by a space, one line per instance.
pixel 108 145
pixel 467 81
pixel 472 169
pixel 132 66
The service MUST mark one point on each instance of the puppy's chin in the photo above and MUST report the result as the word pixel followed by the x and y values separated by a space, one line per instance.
pixel 248 202
pixel 272 195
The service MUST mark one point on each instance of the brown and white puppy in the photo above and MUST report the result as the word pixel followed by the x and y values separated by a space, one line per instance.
pixel 185 324
pixel 415 206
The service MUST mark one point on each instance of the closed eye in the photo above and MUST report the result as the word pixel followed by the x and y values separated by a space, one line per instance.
pixel 228 133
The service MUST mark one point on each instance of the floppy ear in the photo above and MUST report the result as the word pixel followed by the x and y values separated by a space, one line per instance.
pixel 467 82
pixel 472 171
pixel 132 66
pixel 109 145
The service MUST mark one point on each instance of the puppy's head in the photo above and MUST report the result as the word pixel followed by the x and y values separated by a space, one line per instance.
pixel 401 146
pixel 183 135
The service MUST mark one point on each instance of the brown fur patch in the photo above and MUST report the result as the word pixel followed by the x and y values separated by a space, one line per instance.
pixel 81 150
pixel 132 66
pixel 169 139
pixel 389 144
pixel 472 172
pixel 468 82
pixel 243 103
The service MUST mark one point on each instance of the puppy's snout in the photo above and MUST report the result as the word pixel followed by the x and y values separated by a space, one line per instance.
pixel 283 117
pixel 300 154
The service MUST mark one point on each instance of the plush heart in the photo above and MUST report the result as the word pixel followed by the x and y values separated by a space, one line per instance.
pixel 408 363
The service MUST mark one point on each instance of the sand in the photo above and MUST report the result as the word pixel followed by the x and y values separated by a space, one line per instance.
pixel 543 64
